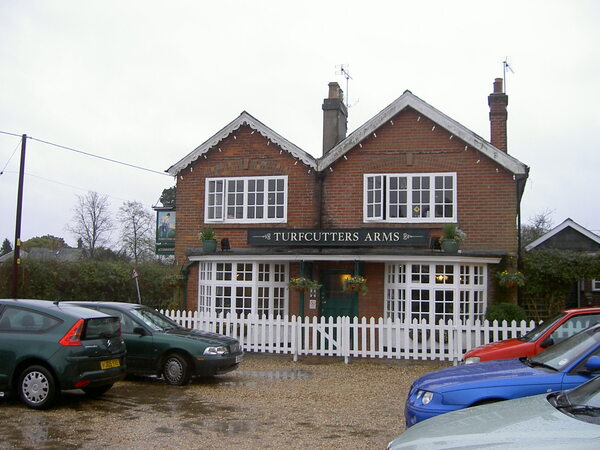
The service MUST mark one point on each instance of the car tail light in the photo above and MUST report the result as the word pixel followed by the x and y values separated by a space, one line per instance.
pixel 73 336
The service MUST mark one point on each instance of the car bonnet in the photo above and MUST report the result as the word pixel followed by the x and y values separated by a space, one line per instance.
pixel 478 375
pixel 204 336
pixel 524 423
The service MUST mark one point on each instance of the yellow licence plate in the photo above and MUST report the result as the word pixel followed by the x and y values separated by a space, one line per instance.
pixel 110 363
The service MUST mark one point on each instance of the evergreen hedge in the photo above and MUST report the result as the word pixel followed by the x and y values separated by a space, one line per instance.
pixel 90 280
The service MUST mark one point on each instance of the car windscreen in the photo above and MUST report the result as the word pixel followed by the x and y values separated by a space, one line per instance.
pixel 566 352
pixel 154 319
pixel 101 328
pixel 538 331
pixel 581 403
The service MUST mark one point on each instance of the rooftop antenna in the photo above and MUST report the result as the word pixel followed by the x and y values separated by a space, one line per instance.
pixel 505 66
pixel 343 70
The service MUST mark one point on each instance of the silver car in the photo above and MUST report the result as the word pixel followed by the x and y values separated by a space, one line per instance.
pixel 568 419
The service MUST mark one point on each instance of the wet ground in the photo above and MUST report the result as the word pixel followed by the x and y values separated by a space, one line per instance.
pixel 269 402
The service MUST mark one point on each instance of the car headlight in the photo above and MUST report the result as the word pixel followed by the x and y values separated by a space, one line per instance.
pixel 424 396
pixel 472 359
pixel 216 351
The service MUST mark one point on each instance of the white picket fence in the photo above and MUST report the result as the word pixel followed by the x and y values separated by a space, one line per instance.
pixel 353 337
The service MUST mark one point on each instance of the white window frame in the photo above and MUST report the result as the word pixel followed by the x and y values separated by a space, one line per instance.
pixel 596 285
pixel 465 283
pixel 216 203
pixel 376 204
pixel 253 287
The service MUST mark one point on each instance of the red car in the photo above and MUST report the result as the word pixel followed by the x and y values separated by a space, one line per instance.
pixel 550 332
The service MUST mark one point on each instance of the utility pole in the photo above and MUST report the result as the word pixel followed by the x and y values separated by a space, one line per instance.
pixel 17 250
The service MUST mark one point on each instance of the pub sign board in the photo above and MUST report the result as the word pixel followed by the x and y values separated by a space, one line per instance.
pixel 339 237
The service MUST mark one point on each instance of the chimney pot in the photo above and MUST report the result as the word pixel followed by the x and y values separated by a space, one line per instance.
pixel 498 88
pixel 335 91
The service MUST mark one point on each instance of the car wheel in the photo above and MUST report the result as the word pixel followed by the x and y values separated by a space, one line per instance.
pixel 176 370
pixel 96 391
pixel 37 388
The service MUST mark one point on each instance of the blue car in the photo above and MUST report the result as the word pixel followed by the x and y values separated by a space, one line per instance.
pixel 562 366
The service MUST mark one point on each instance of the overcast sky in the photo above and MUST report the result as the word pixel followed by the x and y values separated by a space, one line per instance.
pixel 145 82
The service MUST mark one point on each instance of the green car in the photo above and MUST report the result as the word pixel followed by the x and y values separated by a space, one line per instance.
pixel 158 346
pixel 46 347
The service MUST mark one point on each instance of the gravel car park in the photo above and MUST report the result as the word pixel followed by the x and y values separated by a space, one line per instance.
pixel 269 402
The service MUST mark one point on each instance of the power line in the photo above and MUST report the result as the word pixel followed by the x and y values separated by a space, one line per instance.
pixel 89 154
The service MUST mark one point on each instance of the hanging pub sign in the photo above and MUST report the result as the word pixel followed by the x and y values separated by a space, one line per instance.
pixel 339 237
pixel 165 230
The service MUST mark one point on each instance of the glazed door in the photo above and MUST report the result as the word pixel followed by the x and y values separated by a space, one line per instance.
pixel 335 302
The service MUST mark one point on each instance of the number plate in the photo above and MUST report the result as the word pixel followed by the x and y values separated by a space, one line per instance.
pixel 238 359
pixel 109 364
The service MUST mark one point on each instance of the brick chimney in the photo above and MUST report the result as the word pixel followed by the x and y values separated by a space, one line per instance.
pixel 335 117
pixel 498 116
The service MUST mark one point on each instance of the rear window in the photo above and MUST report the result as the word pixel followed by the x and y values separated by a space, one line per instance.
pixel 102 328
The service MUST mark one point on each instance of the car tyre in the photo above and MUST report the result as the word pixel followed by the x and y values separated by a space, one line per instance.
pixel 96 391
pixel 176 370
pixel 37 387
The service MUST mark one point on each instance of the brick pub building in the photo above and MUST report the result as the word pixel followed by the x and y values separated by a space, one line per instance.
pixel 373 204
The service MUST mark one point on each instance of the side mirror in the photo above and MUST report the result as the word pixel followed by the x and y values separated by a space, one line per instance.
pixel 140 331
pixel 593 364
pixel 548 342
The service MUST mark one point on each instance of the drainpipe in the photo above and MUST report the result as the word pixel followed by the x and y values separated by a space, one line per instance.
pixel 186 272
pixel 301 293
pixel 520 190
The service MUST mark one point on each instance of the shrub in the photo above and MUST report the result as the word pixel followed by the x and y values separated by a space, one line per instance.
pixel 505 311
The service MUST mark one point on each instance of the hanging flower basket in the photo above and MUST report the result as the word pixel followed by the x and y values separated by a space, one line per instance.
pixel 356 284
pixel 303 284
pixel 510 279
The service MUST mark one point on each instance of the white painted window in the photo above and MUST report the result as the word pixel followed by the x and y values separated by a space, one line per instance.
pixel 410 198
pixel 246 200
pixel 595 285
pixel 243 288
pixel 435 292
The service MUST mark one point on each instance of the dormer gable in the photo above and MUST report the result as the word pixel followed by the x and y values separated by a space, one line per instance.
pixel 243 119
pixel 409 100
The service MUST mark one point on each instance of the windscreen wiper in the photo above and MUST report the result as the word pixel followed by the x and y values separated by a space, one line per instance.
pixel 581 409
pixel 531 363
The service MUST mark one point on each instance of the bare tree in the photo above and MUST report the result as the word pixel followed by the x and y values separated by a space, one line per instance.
pixel 137 230
pixel 538 225
pixel 91 221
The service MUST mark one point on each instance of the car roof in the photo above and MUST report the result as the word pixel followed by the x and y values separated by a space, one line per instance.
pixel 116 305
pixel 583 310
pixel 56 307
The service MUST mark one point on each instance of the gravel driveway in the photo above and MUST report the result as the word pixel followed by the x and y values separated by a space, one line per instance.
pixel 269 402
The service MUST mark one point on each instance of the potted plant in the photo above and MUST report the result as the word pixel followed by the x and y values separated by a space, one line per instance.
pixel 209 239
pixel 451 238
pixel 509 279
pixel 356 283
pixel 303 284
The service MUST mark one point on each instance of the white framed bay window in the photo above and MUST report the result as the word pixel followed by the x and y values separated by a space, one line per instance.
pixel 246 199
pixel 435 291
pixel 410 198
pixel 243 288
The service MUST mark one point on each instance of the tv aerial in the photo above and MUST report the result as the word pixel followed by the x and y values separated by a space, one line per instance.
pixel 505 67
pixel 342 69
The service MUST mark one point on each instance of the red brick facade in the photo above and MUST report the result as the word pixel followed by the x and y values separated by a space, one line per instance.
pixel 409 137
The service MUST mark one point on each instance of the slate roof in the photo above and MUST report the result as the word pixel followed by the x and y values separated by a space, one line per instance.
pixel 568 223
